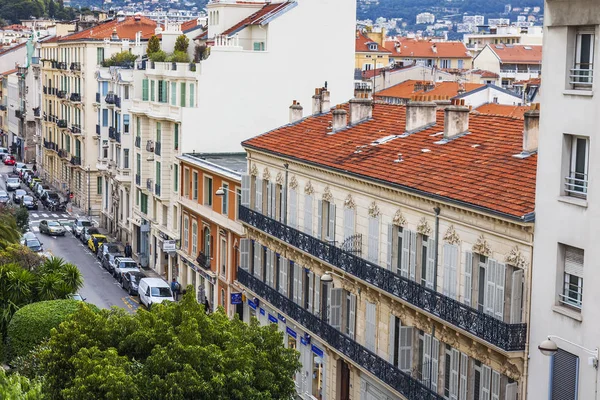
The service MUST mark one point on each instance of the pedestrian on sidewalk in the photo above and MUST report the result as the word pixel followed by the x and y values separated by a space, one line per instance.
pixel 175 288
pixel 128 250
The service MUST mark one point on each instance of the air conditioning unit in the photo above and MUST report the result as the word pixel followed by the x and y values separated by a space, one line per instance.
pixel 150 146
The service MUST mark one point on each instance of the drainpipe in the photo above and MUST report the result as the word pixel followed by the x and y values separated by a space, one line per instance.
pixel 285 194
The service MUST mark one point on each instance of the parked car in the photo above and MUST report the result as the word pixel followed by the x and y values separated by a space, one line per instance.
pixel 9 160
pixel 80 224
pixel 131 281
pixel 109 261
pixel 34 245
pixel 87 234
pixel 18 195
pixel 154 291
pixel 27 236
pixel 29 202
pixel 33 182
pixel 40 189
pixel 18 167
pixel 4 152
pixel 12 184
pixel 50 199
pixel 99 238
pixel 4 197
pixel 52 228
pixel 122 265
pixel 106 248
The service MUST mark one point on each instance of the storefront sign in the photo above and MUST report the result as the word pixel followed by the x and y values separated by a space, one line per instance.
pixel 291 332
pixel 169 245
pixel 317 350
pixel 281 317
pixel 303 341
pixel 236 298
pixel 272 319
pixel 262 311
pixel 251 304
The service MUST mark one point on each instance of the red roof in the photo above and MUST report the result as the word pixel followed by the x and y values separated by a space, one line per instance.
pixel 477 169
pixel 408 88
pixel 189 25
pixel 529 82
pixel 485 74
pixel 362 44
pixel 517 53
pixel 10 71
pixel 427 49
pixel 126 29
pixel 503 109
pixel 259 17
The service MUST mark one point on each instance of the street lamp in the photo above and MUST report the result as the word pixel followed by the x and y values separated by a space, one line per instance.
pixel 221 191
pixel 327 277
pixel 549 348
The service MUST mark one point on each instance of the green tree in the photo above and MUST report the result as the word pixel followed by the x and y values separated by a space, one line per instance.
pixel 174 351
pixel 153 45
pixel 121 59
pixel 182 43
pixel 17 387
pixel 9 229
pixel 21 255
pixel 21 215
pixel 51 8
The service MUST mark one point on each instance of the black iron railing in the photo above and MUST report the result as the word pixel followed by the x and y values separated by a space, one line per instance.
pixel 75 66
pixel 19 113
pixel 98 97
pixel 36 112
pixel 383 370
pixel 97 129
pixel 61 94
pixel 76 160
pixel 63 153
pixel 62 123
pixel 112 133
pixel 61 65
pixel 157 189
pixel 76 129
pixel 203 260
pixel 157 148
pixel 118 136
pixel 110 98
pixel 75 97
pixel 509 337
pixel 50 145
pixel 138 141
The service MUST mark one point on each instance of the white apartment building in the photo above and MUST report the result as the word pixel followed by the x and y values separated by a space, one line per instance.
pixel 564 297
pixel 425 18
pixel 252 68
pixel 508 34
pixel 512 62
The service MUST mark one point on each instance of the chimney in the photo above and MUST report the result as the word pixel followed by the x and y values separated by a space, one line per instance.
pixel 531 129
pixel 361 106
pixel 114 34
pixel 456 121
pixel 434 48
pixel 325 99
pixel 321 101
pixel 420 114
pixel 296 113
pixel 340 118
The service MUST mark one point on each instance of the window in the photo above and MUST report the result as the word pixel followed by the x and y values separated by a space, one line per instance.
pixel 173 93
pixel 195 186
pixel 326 228
pixel 144 203
pixel 207 242
pixel 176 179
pixel 191 95
pixel 427 261
pixel 99 185
pixel 225 199
pixel 259 46
pixel 126 158
pixel 176 137
pixel 583 71
pixel 565 371
pixel 158 131
pixel 158 173
pixel 576 183
pixel 373 240
pixel 461 64
pixel 186 182
pixel 99 55
pixel 104 117
pixel 308 213
pixel 223 257
pixel 126 123
pixel 162 91
pixel 138 127
pixel 182 94
pixel 445 63
pixel 208 191
pixel 194 238
pixel 104 88
pixel 186 233
pixel 572 293
pixel 126 92
pixel 152 90
pixel 144 90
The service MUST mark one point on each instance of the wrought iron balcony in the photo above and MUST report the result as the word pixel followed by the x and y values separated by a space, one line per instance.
pixel 98 97
pixel 509 337
pixel 76 130
pixel 61 65
pixel 19 114
pixel 75 97
pixel 45 89
pixel 62 123
pixel 76 160
pixel 112 133
pixel 97 129
pixel 63 153
pixel 157 148
pixel 203 260
pixel 402 382
pixel 75 66
pixel 118 101
pixel 50 145
pixel 138 142
pixel 2 107
pixel 118 136
pixel 110 98
pixel 138 179
pixel 157 189
pixel 36 112
pixel 61 94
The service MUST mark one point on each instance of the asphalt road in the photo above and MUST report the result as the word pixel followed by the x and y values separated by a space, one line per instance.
pixel 99 288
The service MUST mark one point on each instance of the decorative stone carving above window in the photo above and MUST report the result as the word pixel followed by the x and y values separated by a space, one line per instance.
pixel 451 237
pixel 349 202
pixel 374 210
pixel 294 183
pixel 327 196
pixel 423 227
pixel 399 219
pixel 279 179
pixel 266 174
pixel 309 189
pixel 516 258
pixel 254 170
pixel 482 246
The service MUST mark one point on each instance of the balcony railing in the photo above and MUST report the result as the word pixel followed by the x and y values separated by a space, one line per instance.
pixel 63 153
pixel 157 189
pixel 97 129
pixel 75 97
pixel 61 94
pixel 19 114
pixel 576 184
pixel 203 260
pixel 76 130
pixel 118 136
pixel 110 98
pixel 61 65
pixel 112 133
pixel 157 148
pixel 75 66
pixel 45 89
pixel 2 107
pixel 76 160
pixel 138 179
pixel 509 337
pixel 138 142
pixel 98 97
pixel 118 101
pixel 582 77
pixel 36 112
pixel 50 145
pixel 402 382
pixel 62 123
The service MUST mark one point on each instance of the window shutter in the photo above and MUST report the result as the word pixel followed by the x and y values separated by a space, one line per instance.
pixel 565 371
pixel 293 200
pixel 464 372
pixel 257 259
pixel 574 261
pixel 271 267
pixel 435 355
pixel 490 286
pixel 453 293
pixel 426 357
pixel 429 274
pixel 246 190
pixel 370 327
pixel 390 245
pixel 392 338
pixel 273 200
pixel 468 277
pixel 405 348
pixel 267 262
pixel 283 278
pixel 336 309
pixel 486 382
pixel 269 199
pixel 308 213
pixel 373 251
pixel 296 278
pixel 320 219
pixel 348 222
pixel 331 222
pixel 244 254
pixel 352 316
pixel 495 385
pixel 405 261
pixel 413 254
pixel 499 297
pixel 446 264
pixel 516 296
pixel 145 89
pixel 317 300
pixel 511 391
pixel 300 285
pixel 310 291
pixel 259 193
pixel 259 268
pixel 454 366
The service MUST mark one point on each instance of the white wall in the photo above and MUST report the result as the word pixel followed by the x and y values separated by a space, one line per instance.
pixel 487 96
pixel 10 58
pixel 487 60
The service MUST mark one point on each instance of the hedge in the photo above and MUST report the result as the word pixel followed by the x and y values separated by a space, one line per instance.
pixel 31 325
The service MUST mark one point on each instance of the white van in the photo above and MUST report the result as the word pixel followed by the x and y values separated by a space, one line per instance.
pixel 154 290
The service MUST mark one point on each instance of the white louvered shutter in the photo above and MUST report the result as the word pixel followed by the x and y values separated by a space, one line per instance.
pixel 435 356
pixel 268 267
pixel 331 237
pixel 446 265
pixel 499 297
pixel 490 286
pixel 464 373
pixel 296 277
pixel 352 316
pixel 370 327
pixel 245 254
pixel 405 260
pixel 274 201
pixel 430 265
pixel 270 195
pixel 310 291
pixel 486 378
pixel 516 296
pixel 426 357
pixel 390 246
pixel 413 255
pixel 574 261
pixel 349 214
pixel 301 285
pixel 405 340
pixel 246 190
pixel 317 300
pixel 495 385
pixel 373 250
pixel 308 213
pixel 259 195
pixel 511 391
pixel 468 289
pixel 320 219
pixel 453 272
pixel 257 259
pixel 293 209
pixel 336 309
pixel 283 277
pixel 450 261
pixel 392 338
pixel 454 369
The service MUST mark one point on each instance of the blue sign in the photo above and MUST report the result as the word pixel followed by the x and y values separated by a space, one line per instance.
pixel 272 319
pixel 291 333
pixel 262 311
pixel 236 298
pixel 251 304
pixel 281 317
pixel 303 341
pixel 317 350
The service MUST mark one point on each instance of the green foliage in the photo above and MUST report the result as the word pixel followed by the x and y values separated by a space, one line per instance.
pixel 31 325
pixel 158 56
pixel 22 218
pixel 153 45
pixel 9 230
pixel 179 57
pixel 201 52
pixel 182 43
pixel 21 255
pixel 174 351
pixel 122 59
pixel 17 387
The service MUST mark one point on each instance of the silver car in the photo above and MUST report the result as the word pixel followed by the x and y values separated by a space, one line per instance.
pixel 13 184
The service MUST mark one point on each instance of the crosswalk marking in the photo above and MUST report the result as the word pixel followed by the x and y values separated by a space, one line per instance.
pixel 35 228
pixel 45 215
pixel 55 215
pixel 34 215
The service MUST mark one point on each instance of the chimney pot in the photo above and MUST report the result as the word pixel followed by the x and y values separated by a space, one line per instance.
pixel 296 112
pixel 531 129
pixel 419 115
pixel 456 120
pixel 340 118
pixel 361 106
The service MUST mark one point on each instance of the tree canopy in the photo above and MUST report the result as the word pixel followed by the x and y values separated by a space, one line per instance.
pixel 174 351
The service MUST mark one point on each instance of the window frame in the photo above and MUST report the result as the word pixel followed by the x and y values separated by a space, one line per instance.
pixel 577 80
pixel 186 232
pixel 207 188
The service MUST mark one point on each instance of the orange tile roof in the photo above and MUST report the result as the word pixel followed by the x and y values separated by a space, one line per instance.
pixel 517 53
pixel 485 74
pixel 10 71
pixel 408 88
pixel 126 29
pixel 503 109
pixel 361 45
pixel 477 170
pixel 189 25
pixel 532 81
pixel 259 17
pixel 425 49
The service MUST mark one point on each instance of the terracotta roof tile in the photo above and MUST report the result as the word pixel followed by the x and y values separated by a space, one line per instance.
pixel 517 53
pixel 529 82
pixel 126 29
pixel 189 25
pixel 485 176
pixel 362 44
pixel 408 88
pixel 10 71
pixel 259 17
pixel 425 49
pixel 485 74
pixel 503 109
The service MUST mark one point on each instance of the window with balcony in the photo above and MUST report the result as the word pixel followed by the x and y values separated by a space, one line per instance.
pixel 144 203
pixel 207 242
pixel 152 90
pixel 208 191
pixel 192 95
pixel 427 263
pixel 401 344
pixel 162 91
pixel 126 158
pixel 182 94
pixel 223 257
pixel 428 359
pixel 173 93
pixel 238 202
pixel 126 123
pixel 572 287
pixel 576 181
pixel 308 214
pixel 582 70
pixel 445 63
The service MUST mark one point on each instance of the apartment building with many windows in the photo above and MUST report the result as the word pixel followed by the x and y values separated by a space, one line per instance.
pixel 392 247
pixel 564 299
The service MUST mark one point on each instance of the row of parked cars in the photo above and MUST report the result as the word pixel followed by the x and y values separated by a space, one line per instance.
pixel 124 269
pixel 24 176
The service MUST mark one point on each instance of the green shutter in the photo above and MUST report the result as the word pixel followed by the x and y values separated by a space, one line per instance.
pixel 158 173
pixel 144 90
pixel 191 95
pixel 182 94
pixel 173 93
pixel 138 127
pixel 176 177
pixel 256 46
pixel 152 90
pixel 138 164
pixel 99 184
pixel 176 139
pixel 164 99
pixel 158 131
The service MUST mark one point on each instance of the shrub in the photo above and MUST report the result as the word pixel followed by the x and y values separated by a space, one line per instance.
pixel 153 45
pixel 31 325
pixel 122 59
pixel 158 56
pixel 182 43
pixel 179 57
